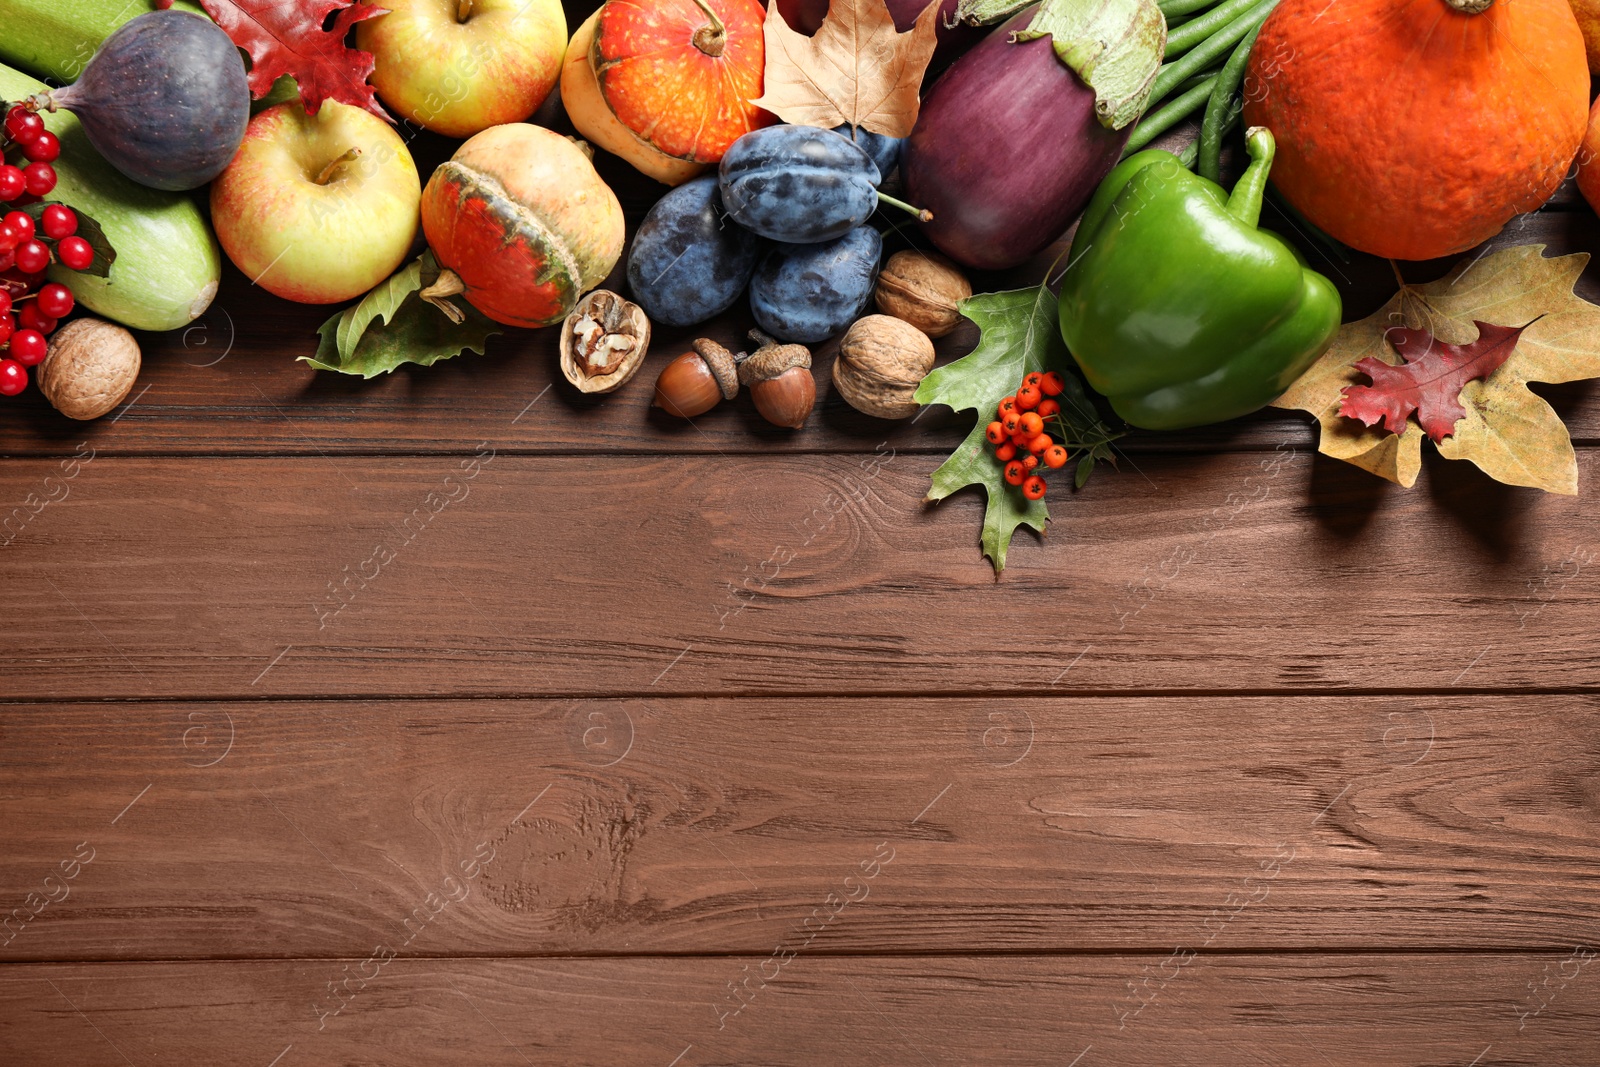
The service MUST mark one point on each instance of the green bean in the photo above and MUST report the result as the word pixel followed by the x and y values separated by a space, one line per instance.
pixel 1183 7
pixel 1222 106
pixel 1197 59
pixel 1187 156
pixel 1156 123
pixel 1192 33
pixel 1205 75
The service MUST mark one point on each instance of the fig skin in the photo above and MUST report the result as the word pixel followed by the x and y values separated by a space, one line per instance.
pixel 165 100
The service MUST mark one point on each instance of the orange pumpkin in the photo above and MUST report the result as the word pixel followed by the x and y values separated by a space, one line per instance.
pixel 1417 128
pixel 667 84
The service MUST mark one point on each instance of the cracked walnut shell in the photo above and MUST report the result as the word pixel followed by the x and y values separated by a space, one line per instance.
pixel 603 342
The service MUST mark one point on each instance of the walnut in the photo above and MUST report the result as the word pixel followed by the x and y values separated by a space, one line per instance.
pixel 89 368
pixel 881 361
pixel 603 342
pixel 924 289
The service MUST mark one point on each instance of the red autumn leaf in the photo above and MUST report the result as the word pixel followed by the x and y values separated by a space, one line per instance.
pixel 286 37
pixel 1429 382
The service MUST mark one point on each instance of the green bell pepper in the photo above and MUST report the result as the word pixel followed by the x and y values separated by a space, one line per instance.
pixel 1177 308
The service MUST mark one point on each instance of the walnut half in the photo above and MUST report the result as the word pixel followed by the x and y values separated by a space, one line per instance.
pixel 603 342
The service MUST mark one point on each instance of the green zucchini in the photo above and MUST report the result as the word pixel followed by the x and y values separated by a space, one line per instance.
pixel 168 264
pixel 55 39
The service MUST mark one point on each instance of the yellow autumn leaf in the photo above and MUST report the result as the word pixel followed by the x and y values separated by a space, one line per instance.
pixel 857 70
pixel 1512 435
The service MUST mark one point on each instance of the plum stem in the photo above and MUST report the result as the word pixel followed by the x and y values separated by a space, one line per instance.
pixel 711 38
pixel 327 172
pixel 922 213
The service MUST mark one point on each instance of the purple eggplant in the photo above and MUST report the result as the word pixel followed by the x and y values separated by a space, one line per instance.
pixel 1007 150
pixel 805 16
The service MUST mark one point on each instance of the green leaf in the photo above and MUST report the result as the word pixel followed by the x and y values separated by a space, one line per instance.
pixel 1021 333
pixel 88 229
pixel 393 325
pixel 1115 46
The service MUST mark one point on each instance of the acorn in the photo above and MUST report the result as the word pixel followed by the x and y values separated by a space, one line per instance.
pixel 697 381
pixel 779 379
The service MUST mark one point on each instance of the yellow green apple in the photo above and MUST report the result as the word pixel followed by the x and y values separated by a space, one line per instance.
pixel 317 208
pixel 461 66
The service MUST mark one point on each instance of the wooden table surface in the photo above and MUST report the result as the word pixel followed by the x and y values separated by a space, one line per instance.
pixel 453 718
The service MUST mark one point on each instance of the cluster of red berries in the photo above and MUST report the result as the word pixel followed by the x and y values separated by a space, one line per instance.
pixel 29 307
pixel 1019 436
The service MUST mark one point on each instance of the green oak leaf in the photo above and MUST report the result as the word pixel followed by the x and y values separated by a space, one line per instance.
pixel 1021 333
pixel 392 325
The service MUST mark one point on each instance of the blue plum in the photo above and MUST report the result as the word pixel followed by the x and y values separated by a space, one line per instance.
pixel 808 293
pixel 884 150
pixel 689 261
pixel 798 184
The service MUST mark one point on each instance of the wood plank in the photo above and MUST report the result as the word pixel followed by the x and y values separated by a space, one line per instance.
pixel 304 829
pixel 1366 1010
pixel 231 383
pixel 350 576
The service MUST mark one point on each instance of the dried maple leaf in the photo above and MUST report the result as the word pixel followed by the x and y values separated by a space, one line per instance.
pixel 1429 382
pixel 286 37
pixel 857 69
pixel 1512 435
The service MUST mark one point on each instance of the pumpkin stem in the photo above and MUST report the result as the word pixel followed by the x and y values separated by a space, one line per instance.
pixel 1244 203
pixel 1470 7
pixel 448 284
pixel 711 38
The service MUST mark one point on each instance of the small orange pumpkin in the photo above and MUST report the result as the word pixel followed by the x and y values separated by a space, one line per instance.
pixel 1417 128
pixel 667 84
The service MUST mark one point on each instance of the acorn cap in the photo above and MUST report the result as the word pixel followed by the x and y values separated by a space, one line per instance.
pixel 724 368
pixel 771 359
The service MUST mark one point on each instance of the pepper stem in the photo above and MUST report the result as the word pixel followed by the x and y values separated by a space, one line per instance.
pixel 1245 203
pixel 922 213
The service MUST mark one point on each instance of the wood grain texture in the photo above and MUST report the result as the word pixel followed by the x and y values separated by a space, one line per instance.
pixel 582 827
pixel 1362 1011
pixel 350 576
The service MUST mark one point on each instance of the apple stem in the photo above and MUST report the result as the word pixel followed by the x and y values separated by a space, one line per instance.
pixel 327 172
pixel 464 10
pixel 922 213
pixel 711 38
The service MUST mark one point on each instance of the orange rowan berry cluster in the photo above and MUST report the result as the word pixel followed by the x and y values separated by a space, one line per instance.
pixel 1019 436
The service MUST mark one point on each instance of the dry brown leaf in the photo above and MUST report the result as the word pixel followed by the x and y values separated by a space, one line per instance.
pixel 1512 435
pixel 857 69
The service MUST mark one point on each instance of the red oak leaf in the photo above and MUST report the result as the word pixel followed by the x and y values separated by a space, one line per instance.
pixel 1429 382
pixel 286 37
